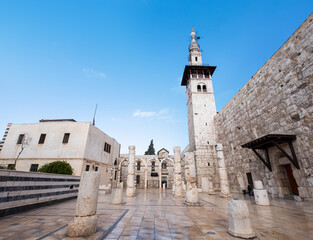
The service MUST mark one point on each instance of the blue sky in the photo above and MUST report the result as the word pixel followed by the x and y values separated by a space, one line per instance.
pixel 59 58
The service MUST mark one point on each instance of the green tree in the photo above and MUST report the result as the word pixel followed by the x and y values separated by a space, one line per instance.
pixel 59 167
pixel 151 150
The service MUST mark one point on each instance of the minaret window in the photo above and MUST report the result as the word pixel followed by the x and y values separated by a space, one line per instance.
pixel 199 88
pixel 204 88
pixel 196 59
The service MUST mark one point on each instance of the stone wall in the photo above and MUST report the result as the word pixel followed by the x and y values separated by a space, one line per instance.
pixel 277 99
pixel 24 190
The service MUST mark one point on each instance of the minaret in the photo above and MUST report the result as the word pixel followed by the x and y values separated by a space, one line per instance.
pixel 201 111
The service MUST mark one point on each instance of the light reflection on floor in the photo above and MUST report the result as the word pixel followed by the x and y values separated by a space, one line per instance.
pixel 156 214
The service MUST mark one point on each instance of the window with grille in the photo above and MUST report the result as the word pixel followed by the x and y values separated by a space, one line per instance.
pixel 20 138
pixel 107 147
pixel 33 167
pixel 66 137
pixel 42 138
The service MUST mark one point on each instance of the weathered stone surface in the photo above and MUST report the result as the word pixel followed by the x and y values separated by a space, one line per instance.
pixel 88 194
pixel 258 185
pixel 277 99
pixel 117 196
pixel 205 184
pixel 238 218
pixel 82 226
pixel 130 190
pixel 222 171
pixel 261 197
pixel 191 178
pixel 211 189
pixel 177 171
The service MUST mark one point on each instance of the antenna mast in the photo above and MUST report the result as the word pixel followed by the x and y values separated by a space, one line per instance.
pixel 94 116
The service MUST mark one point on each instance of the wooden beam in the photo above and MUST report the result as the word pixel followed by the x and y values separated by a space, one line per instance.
pixel 267 164
pixel 292 159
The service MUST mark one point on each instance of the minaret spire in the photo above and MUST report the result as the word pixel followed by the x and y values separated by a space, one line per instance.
pixel 195 56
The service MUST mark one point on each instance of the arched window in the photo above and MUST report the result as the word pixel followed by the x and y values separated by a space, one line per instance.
pixel 164 165
pixel 152 166
pixel 138 166
pixel 138 179
pixel 199 88
pixel 115 162
pixel 204 88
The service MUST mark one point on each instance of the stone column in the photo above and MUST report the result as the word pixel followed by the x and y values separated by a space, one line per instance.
pixel 222 171
pixel 160 175
pixel 130 190
pixel 205 184
pixel 238 218
pixel 191 178
pixel 146 177
pixel 260 194
pixel 117 195
pixel 211 188
pixel 177 173
pixel 85 220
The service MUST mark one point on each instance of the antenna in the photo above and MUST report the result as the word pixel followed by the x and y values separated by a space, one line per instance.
pixel 94 116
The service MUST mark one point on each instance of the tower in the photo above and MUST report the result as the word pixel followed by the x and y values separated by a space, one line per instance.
pixel 201 110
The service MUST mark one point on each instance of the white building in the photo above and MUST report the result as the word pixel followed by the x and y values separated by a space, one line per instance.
pixel 81 144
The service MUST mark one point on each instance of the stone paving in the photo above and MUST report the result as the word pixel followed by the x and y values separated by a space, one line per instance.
pixel 156 214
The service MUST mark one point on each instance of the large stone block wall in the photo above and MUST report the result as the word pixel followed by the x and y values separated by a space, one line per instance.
pixel 277 99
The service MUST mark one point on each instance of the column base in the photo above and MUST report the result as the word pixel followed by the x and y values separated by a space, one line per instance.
pixel 82 226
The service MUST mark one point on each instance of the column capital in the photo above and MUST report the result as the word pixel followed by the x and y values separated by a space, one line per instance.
pixel 219 147
pixel 176 149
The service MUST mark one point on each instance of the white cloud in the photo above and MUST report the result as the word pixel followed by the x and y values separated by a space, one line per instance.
pixel 139 113
pixel 90 73
pixel 163 114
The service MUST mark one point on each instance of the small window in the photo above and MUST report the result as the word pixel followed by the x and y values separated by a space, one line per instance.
pixel 66 137
pixel 164 165
pixel 204 88
pixel 33 167
pixel 115 175
pixel 107 147
pixel 20 138
pixel 42 138
pixel 196 59
pixel 115 162
pixel 138 179
pixel 138 166
pixel 199 88
pixel 96 169
pixel 87 167
pixel 153 166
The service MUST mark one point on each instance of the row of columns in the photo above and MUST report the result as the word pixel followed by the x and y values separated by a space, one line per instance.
pixel 190 175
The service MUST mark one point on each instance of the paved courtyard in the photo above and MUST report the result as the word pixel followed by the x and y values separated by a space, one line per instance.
pixel 155 214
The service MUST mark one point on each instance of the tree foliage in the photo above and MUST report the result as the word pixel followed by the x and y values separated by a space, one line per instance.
pixel 58 167
pixel 151 150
